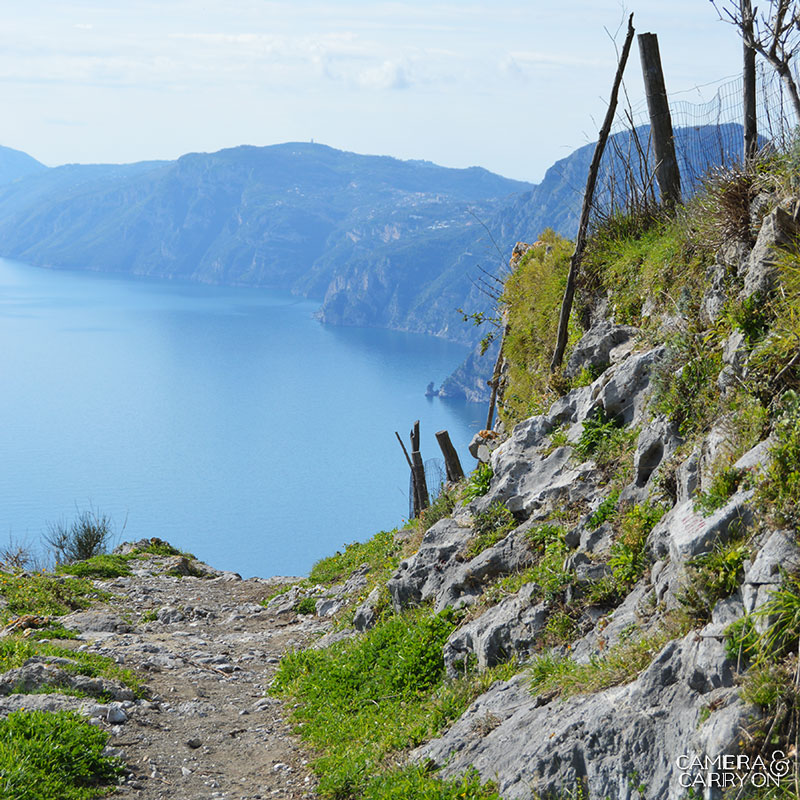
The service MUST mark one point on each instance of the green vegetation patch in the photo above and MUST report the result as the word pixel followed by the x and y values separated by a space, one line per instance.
pixel 380 553
pixel 107 565
pixel 643 257
pixel 560 676
pixel 46 755
pixel 479 482
pixel 417 782
pixel 532 301
pixel 360 701
pixel 15 651
pixel 44 594
pixel 779 491
pixel 490 527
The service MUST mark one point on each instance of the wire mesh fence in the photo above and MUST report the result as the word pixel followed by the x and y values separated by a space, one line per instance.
pixel 707 134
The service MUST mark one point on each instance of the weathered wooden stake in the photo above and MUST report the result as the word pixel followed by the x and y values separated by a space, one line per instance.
pixel 452 464
pixel 749 83
pixel 588 195
pixel 418 473
pixel 667 173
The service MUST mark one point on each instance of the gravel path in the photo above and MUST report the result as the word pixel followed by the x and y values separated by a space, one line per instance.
pixel 208 729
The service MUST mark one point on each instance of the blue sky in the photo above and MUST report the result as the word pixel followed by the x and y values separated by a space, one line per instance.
pixel 510 86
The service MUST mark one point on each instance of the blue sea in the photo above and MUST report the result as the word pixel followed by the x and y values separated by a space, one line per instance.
pixel 227 421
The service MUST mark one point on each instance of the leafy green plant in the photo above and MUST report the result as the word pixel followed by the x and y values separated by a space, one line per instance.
pixel 723 486
pixel 741 639
pixel 713 576
pixel 490 526
pixel 46 755
pixel 597 428
pixel 752 316
pixel 627 558
pixel 306 605
pixel 549 572
pixel 779 490
pixel 479 482
pixel 560 628
pixel 605 511
pixel 685 383
pixel 540 536
pixel 783 609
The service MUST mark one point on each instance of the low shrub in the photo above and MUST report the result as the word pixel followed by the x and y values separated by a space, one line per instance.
pixel 84 537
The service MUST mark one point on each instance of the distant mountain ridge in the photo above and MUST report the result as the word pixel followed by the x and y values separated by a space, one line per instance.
pixel 379 241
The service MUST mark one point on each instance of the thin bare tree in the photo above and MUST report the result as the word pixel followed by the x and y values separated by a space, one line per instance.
pixel 774 34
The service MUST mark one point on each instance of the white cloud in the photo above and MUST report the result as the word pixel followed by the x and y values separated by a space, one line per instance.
pixel 388 75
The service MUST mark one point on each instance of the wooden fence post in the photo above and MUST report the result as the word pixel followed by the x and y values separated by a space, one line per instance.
pixel 586 208
pixel 452 464
pixel 667 173
pixel 418 473
pixel 749 84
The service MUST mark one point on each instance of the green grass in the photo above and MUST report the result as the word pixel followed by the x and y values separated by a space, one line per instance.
pixel 44 594
pixel 416 782
pixel 44 756
pixel 563 677
pixel 363 700
pixel 15 651
pixel 490 527
pixel 380 553
pixel 532 299
pixel 107 565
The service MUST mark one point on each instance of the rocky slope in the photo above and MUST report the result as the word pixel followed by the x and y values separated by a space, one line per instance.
pixel 641 588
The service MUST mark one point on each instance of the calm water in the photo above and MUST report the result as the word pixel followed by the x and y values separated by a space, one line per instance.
pixel 224 420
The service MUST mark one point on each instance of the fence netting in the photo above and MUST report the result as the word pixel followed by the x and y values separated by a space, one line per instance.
pixel 707 133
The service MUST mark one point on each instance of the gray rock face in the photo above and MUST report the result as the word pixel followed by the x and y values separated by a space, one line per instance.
pixel 466 581
pixel 625 394
pixel 779 229
pixel 602 345
pixel 657 441
pixel 683 533
pixel 778 555
pixel 629 732
pixel 528 482
pixel 422 576
pixel 507 629
pixel 366 615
